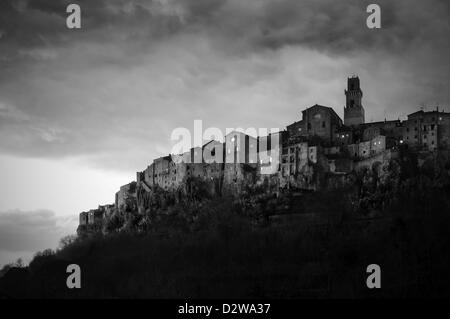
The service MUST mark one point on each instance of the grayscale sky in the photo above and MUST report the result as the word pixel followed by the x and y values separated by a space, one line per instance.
pixel 82 110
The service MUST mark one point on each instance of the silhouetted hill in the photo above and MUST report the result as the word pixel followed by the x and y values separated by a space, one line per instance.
pixel 317 245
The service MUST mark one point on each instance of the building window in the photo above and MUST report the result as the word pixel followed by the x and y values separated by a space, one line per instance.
pixel 309 126
pixel 323 124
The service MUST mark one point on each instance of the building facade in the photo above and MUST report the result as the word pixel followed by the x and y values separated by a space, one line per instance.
pixel 353 110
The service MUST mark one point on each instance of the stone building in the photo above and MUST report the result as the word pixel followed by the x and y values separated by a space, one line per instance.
pixel 317 120
pixel 295 156
pixel 353 110
pixel 427 130
pixel 107 210
pixel 241 162
pixel 269 153
pixel 83 218
pixel 95 216
pixel 367 149
pixel 240 148
pixel 126 197
pixel 346 135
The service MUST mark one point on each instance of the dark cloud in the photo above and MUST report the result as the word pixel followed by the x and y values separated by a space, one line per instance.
pixel 23 233
pixel 334 26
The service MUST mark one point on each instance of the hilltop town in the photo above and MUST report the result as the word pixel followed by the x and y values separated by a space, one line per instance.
pixel 319 151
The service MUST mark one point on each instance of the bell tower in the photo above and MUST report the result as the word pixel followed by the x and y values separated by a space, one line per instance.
pixel 353 110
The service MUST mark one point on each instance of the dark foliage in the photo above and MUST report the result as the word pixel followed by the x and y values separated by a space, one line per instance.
pixel 319 245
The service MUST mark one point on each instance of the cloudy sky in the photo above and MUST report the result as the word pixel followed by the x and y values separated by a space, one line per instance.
pixel 82 110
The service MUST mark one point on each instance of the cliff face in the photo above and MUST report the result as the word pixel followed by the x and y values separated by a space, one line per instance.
pixel 370 188
pixel 303 167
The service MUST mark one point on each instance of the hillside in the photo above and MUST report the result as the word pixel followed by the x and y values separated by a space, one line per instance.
pixel 316 245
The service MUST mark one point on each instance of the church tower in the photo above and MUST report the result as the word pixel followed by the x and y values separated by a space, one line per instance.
pixel 353 110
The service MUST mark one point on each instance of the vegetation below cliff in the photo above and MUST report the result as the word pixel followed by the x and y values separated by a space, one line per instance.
pixel 318 245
